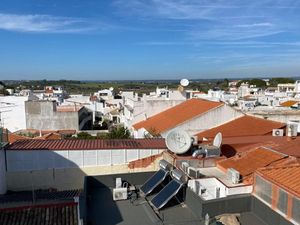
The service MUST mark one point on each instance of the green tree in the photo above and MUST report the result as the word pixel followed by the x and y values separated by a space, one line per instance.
pixel 280 80
pixel 84 135
pixel 257 82
pixel 119 132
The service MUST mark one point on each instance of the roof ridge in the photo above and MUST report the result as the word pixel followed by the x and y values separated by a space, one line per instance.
pixel 280 166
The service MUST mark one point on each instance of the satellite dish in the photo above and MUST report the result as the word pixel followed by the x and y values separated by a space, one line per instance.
pixel 217 140
pixel 184 82
pixel 111 88
pixel 178 141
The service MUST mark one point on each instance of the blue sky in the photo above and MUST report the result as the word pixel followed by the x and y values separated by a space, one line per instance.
pixel 148 39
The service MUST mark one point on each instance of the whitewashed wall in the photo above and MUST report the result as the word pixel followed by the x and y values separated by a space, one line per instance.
pixel 44 159
pixel 210 184
pixel 2 173
pixel 208 120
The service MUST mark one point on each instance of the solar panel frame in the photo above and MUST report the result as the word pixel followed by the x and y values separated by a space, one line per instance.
pixel 154 181
pixel 168 192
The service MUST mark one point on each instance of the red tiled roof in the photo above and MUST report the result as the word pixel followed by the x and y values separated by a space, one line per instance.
pixel 285 145
pixel 287 177
pixel 37 132
pixel 77 144
pixel 50 136
pixel 176 115
pixel 14 137
pixel 243 126
pixel 288 103
pixel 250 161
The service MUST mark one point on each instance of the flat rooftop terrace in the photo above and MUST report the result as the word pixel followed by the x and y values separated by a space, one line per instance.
pixel 100 208
pixel 104 210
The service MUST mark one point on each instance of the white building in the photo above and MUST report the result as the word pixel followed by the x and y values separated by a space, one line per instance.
pixel 105 94
pixel 12 111
pixel 136 109
pixel 193 116
pixel 243 90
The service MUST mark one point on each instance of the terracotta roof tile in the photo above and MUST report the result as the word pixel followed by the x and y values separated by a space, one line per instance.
pixel 14 137
pixel 250 161
pixel 287 177
pixel 37 132
pixel 77 144
pixel 50 136
pixel 176 115
pixel 243 126
pixel 288 103
pixel 285 145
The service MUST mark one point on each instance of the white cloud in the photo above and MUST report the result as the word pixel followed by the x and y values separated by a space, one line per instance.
pixel 44 24
pixel 255 25
pixel 219 19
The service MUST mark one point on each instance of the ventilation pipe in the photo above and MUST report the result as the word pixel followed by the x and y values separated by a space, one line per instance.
pixel 198 152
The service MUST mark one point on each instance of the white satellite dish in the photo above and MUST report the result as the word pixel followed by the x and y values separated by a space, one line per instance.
pixel 178 141
pixel 111 88
pixel 184 82
pixel 217 140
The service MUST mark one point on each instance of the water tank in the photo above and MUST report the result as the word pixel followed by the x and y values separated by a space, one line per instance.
pixel 165 165
pixel 178 175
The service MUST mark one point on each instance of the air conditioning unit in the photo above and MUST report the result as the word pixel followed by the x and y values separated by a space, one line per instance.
pixel 193 172
pixel 277 132
pixel 233 175
pixel 184 166
pixel 119 194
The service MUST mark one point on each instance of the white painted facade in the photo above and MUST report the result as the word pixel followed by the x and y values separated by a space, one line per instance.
pixel 218 96
pixel 12 112
pixel 208 120
pixel 63 159
pixel 105 94
pixel 243 90
pixel 137 108
pixel 212 188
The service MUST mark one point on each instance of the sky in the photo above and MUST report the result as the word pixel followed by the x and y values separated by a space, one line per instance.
pixel 148 39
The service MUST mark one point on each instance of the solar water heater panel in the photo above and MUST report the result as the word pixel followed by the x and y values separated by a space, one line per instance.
pixel 154 181
pixel 169 191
